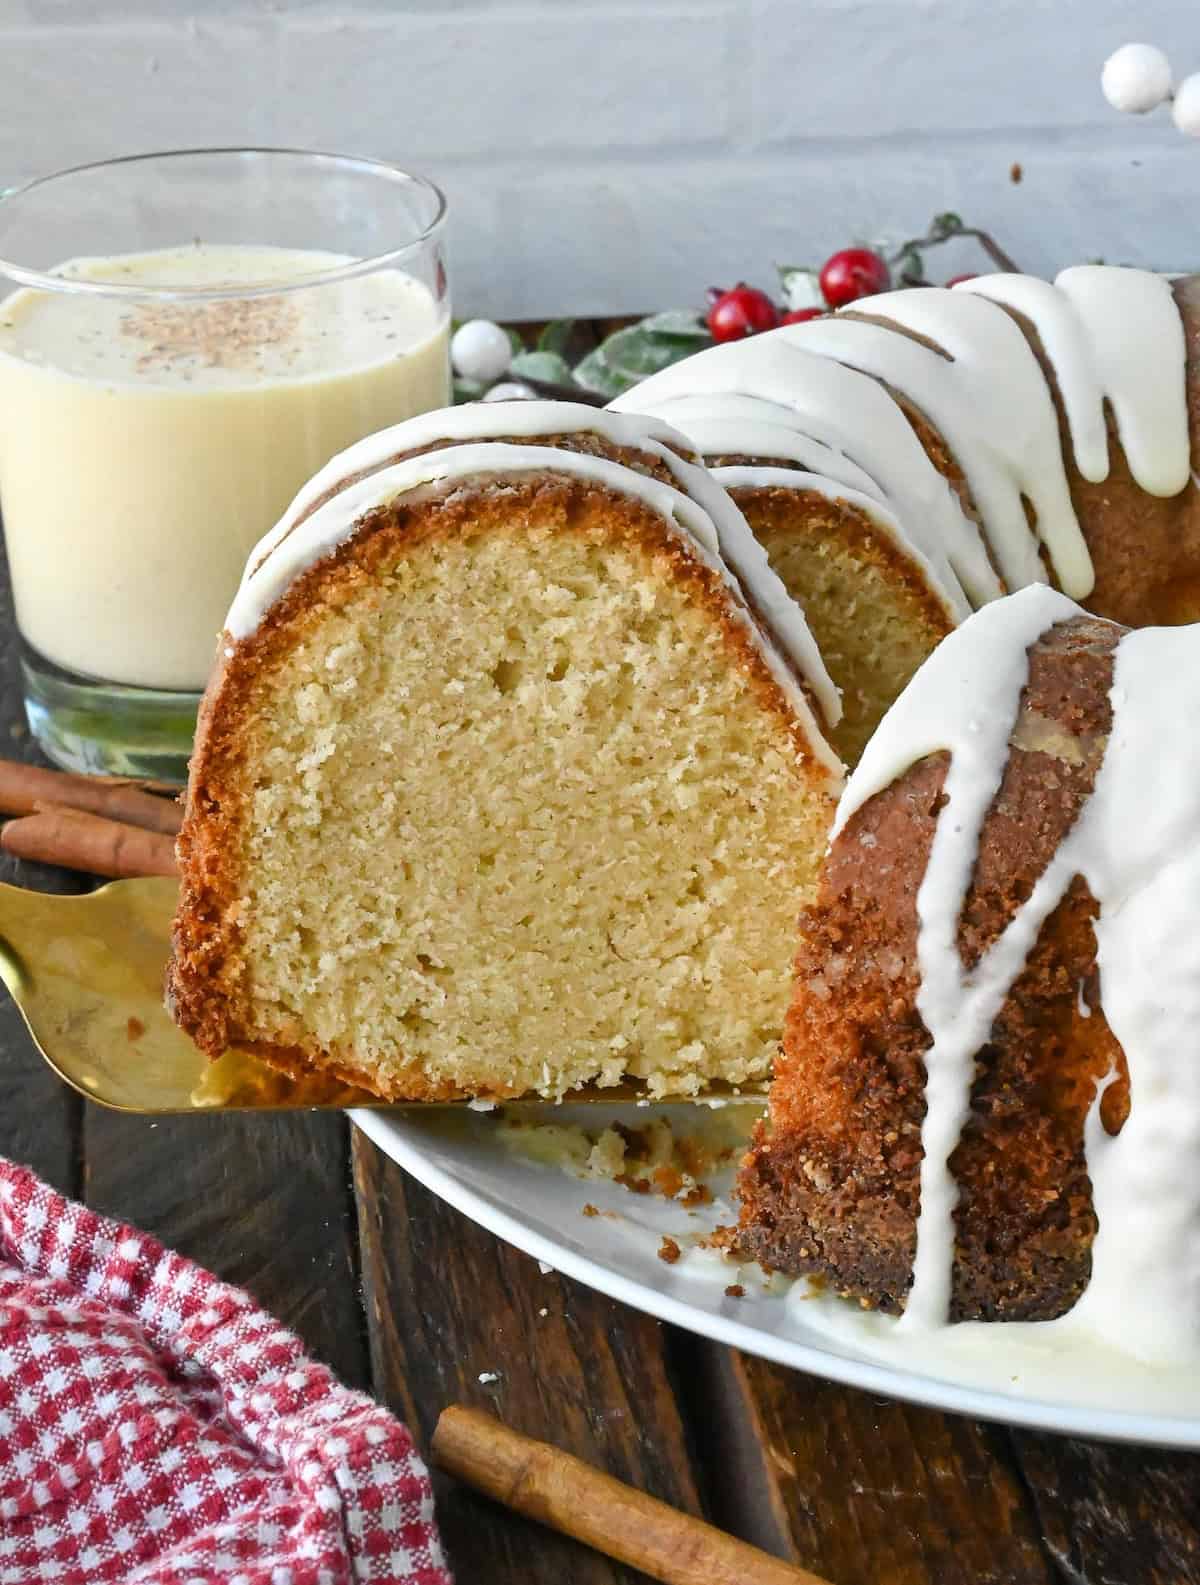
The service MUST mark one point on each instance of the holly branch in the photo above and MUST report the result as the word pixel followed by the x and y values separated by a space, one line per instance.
pixel 908 263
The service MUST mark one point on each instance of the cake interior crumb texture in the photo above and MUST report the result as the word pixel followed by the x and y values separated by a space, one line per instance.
pixel 513 811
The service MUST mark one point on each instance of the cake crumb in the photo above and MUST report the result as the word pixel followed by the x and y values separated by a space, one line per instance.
pixel 669 1251
pixel 134 1029
pixel 653 1158
pixel 735 1291
pixel 1015 173
pixel 591 1210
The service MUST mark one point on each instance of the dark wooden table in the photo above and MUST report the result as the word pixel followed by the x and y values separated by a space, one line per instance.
pixel 407 1299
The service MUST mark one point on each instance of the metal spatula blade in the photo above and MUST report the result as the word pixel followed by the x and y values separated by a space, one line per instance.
pixel 87 974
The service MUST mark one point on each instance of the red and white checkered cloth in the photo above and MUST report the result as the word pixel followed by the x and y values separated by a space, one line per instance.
pixel 158 1428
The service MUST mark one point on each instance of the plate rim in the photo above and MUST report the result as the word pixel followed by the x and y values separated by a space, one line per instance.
pixel 910 1386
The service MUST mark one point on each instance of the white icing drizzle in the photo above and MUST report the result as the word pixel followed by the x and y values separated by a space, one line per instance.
pixel 1137 845
pixel 1065 340
pixel 1112 335
pixel 965 699
pixel 738 476
pixel 699 511
pixel 469 421
pixel 989 400
pixel 750 426
pixel 1140 350
pixel 853 418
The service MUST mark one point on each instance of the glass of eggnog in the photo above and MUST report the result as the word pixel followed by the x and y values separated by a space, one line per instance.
pixel 184 339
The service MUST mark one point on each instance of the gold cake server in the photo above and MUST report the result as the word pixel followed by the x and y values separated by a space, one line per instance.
pixel 87 975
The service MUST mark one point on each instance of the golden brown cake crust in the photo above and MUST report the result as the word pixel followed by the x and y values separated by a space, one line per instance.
pixel 204 978
pixel 831 1188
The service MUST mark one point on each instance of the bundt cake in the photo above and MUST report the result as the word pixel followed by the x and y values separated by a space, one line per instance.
pixel 781 430
pixel 1008 431
pixel 510 778
pixel 988 1101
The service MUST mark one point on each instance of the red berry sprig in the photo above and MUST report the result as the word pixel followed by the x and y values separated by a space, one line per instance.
pixel 742 311
pixel 853 273
pixel 844 278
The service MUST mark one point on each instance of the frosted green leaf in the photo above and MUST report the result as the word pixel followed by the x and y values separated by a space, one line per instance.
pixel 548 366
pixel 556 336
pixel 594 374
pixel 800 286
pixel 677 324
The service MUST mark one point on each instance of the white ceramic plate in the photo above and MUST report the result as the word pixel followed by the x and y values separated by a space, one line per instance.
pixel 539 1207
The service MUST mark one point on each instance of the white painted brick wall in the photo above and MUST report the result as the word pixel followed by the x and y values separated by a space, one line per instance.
pixel 609 157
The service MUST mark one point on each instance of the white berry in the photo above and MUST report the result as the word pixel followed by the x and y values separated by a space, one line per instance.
pixel 510 391
pixel 480 350
pixel 1136 78
pixel 1185 112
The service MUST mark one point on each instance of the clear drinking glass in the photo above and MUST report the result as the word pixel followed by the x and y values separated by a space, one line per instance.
pixel 184 339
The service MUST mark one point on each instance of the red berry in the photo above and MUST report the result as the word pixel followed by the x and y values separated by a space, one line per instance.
pixel 799 315
pixel 954 279
pixel 741 312
pixel 853 273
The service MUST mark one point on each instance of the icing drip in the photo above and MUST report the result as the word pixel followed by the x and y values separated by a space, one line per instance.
pixel 1140 351
pixel 1137 845
pixel 988 398
pixel 1139 848
pixel 698 503
pixel 1110 335
pixel 965 698
pixel 1065 341
pixel 850 416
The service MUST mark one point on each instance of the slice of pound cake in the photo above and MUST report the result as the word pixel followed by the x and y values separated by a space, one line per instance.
pixel 510 779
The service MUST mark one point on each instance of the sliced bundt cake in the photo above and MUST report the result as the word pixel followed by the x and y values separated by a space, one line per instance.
pixel 782 431
pixel 988 1104
pixel 1066 412
pixel 506 782
pixel 1009 431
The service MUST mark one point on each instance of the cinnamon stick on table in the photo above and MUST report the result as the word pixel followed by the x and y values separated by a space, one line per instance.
pixel 546 1484
pixel 55 834
pixel 23 788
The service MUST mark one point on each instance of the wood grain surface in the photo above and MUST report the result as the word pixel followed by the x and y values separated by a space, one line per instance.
pixel 405 1297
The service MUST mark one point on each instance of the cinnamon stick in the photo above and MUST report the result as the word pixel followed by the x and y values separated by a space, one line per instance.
pixel 24 787
pixel 78 840
pixel 544 1483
